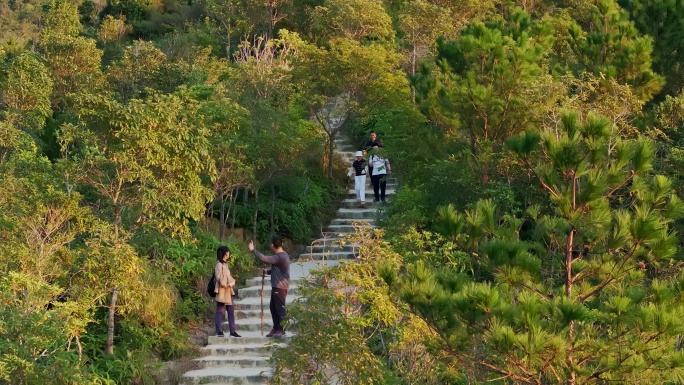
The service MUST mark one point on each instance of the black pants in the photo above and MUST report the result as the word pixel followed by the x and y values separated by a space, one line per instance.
pixel 277 307
pixel 379 186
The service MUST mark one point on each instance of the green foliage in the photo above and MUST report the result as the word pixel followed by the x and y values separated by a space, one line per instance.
pixel 559 305
pixel 113 149
pixel 489 99
pixel 611 45
pixel 142 68
pixel 346 350
pixel 409 210
pixel 157 150
pixel 37 336
pixel 366 338
pixel 133 362
pixel 61 21
pixel 669 121
pixel 663 21
pixel 25 90
pixel 355 19
pixel 190 264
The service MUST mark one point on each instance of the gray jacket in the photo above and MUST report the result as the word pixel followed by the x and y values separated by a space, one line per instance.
pixel 280 273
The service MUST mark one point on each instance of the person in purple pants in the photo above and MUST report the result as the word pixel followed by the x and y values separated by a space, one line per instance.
pixel 224 292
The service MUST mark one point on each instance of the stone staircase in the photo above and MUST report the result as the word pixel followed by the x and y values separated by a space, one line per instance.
pixel 230 360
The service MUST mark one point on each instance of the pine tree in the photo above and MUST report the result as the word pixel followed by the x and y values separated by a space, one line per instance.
pixel 664 22
pixel 585 288
pixel 609 45
pixel 482 84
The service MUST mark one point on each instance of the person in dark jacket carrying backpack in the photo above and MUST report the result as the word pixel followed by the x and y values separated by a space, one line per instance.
pixel 280 282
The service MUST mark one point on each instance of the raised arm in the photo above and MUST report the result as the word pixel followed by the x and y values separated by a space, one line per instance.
pixel 272 259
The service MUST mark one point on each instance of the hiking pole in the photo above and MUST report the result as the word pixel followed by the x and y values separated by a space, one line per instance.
pixel 263 278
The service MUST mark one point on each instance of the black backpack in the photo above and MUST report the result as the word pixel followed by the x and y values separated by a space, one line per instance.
pixel 211 286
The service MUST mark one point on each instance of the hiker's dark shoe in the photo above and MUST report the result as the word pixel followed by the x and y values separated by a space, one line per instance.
pixel 279 333
pixel 270 334
pixel 220 334
pixel 376 200
pixel 234 334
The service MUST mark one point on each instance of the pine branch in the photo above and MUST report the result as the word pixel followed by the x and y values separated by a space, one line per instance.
pixel 537 291
pixel 621 184
pixel 526 286
pixel 579 274
pixel 610 279
pixel 505 373
pixel 544 186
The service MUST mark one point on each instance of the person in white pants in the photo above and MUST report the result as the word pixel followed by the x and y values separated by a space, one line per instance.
pixel 360 169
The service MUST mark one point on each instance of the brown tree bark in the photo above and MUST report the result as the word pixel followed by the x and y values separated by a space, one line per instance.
pixel 109 349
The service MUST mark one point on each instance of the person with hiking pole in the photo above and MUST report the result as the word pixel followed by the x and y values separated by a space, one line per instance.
pixel 280 282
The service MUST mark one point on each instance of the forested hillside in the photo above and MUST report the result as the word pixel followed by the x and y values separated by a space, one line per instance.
pixel 535 237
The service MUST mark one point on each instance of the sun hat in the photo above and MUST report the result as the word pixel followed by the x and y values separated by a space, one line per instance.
pixel 359 153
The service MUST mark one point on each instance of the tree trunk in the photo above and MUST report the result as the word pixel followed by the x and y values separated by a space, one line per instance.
pixel 117 220
pixel 570 359
pixel 234 208
pixel 331 138
pixel 256 213
pixel 413 73
pixel 272 219
pixel 228 43
pixel 222 217
pixel 109 349
pixel 228 210
pixel 572 380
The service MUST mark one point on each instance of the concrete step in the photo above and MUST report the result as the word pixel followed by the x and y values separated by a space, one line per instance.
pixel 356 213
pixel 344 229
pixel 228 375
pixel 351 194
pixel 347 221
pixel 249 337
pixel 255 291
pixel 331 247
pixel 234 349
pixel 328 256
pixel 344 148
pixel 238 361
pixel 351 203
pixel 226 383
pixel 298 270
pixel 254 303
pixel 390 185
pixel 256 281
pixel 253 324
pixel 255 313
pixel 369 191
